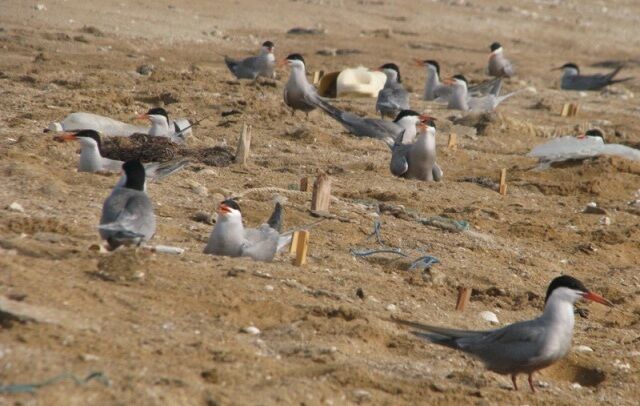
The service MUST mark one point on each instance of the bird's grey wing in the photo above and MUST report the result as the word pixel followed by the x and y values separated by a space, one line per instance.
pixel 135 219
pixel 482 104
pixel 244 69
pixel 437 172
pixel 160 170
pixel 508 68
pixel 260 244
pixel 111 165
pixel 442 93
pixel 399 164
pixel 488 87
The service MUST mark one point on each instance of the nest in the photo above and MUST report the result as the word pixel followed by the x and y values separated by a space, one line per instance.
pixel 160 149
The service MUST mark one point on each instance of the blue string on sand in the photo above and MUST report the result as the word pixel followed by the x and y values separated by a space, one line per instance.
pixel 33 387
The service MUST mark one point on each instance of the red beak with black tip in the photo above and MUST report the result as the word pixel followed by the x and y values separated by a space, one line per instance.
pixel 594 297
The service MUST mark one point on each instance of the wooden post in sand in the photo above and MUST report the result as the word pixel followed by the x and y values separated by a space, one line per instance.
pixel 503 181
pixel 244 145
pixel 304 184
pixel 464 295
pixel 321 193
pixel 302 247
pixel 569 110
pixel 453 141
pixel 294 242
pixel 317 75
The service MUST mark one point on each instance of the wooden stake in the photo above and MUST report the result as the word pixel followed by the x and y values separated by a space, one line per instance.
pixel 569 110
pixel 244 145
pixel 574 110
pixel 302 247
pixel 453 141
pixel 321 193
pixel 503 181
pixel 317 75
pixel 304 184
pixel 464 294
pixel 294 242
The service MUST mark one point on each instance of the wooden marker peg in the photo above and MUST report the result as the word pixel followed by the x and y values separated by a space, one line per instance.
pixel 503 181
pixel 569 110
pixel 316 77
pixel 573 111
pixel 302 247
pixel 565 110
pixel 321 193
pixel 304 184
pixel 244 145
pixel 294 242
pixel 464 294
pixel 453 141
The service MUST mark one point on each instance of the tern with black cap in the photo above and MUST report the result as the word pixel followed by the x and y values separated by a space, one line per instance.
pixel 573 80
pixel 127 214
pixel 299 94
pixel 393 97
pixel 261 65
pixel 416 159
pixel 461 100
pixel 499 66
pixel 434 89
pixel 524 347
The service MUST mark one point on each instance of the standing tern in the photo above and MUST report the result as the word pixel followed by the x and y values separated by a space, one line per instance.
pixel 255 66
pixel 299 94
pixel 127 214
pixel 91 159
pixel 417 159
pixel 393 97
pixel 524 347
pixel 499 66
pixel 460 99
pixel 161 126
pixel 587 145
pixel 230 238
pixel 434 89
pixel 573 80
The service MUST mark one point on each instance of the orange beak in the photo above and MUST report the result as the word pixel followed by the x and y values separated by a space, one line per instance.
pixel 283 62
pixel 594 297
pixel 581 136
pixel 419 62
pixel 448 81
pixel 65 137
pixel 426 117
pixel 144 116
pixel 223 209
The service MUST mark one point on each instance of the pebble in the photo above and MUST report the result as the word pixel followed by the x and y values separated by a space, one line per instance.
pixel 605 221
pixel 624 366
pixel 592 208
pixel 269 288
pixel 254 331
pixel 145 69
pixel 583 348
pixel 89 357
pixel 576 385
pixel 391 307
pixel 40 7
pixel 199 190
pixel 490 317
pixel 15 206
pixel 361 395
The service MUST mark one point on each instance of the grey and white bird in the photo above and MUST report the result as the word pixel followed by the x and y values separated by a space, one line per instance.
pixel 261 65
pixel 91 159
pixel 386 131
pixel 461 100
pixel 416 159
pixel 572 79
pixel 127 214
pixel 230 238
pixel 499 66
pixel 434 89
pixel 299 94
pixel 524 347
pixel 393 97
pixel 177 130
pixel 588 145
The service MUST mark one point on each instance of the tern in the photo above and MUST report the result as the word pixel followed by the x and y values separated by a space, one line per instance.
pixel 91 159
pixel 299 94
pixel 177 130
pixel 262 65
pixel 393 97
pixel 387 131
pixel 417 159
pixel 434 89
pixel 584 146
pixel 524 347
pixel 573 80
pixel 230 238
pixel 460 99
pixel 499 66
pixel 127 214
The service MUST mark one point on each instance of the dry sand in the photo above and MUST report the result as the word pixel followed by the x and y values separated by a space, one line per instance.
pixel 167 329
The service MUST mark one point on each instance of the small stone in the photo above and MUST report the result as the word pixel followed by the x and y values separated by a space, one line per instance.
pixel 592 208
pixel 605 221
pixel 624 366
pixel 203 217
pixel 361 395
pixel 15 206
pixel 40 7
pixel 391 307
pixel 146 69
pixel 269 288
pixel 254 331
pixel 576 385
pixel 490 317
pixel 89 357
pixel 583 348
pixel 199 189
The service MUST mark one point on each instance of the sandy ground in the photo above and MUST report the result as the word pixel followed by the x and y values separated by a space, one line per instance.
pixel 167 329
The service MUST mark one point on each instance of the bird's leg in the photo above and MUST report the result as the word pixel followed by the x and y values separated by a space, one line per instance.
pixel 515 384
pixel 293 112
pixel 533 389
